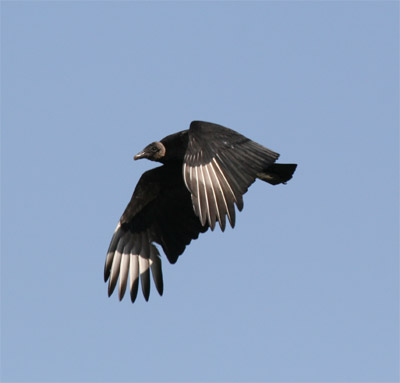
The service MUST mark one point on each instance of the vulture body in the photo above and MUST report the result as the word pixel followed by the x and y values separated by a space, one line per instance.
pixel 205 172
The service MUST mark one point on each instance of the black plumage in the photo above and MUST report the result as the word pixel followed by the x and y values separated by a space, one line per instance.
pixel 206 170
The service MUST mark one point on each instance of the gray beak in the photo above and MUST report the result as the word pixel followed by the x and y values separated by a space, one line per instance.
pixel 140 155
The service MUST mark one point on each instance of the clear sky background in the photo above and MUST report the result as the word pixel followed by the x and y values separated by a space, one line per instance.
pixel 305 288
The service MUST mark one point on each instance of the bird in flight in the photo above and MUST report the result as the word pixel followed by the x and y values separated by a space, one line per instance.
pixel 205 172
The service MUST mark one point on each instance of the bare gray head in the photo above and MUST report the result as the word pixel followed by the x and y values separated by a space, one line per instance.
pixel 153 152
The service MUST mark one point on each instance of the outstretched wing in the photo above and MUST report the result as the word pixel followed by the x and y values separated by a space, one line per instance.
pixel 160 211
pixel 219 166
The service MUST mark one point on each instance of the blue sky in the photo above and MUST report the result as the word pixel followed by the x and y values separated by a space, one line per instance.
pixel 305 288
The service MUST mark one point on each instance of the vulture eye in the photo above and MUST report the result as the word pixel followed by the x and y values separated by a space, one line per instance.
pixel 154 149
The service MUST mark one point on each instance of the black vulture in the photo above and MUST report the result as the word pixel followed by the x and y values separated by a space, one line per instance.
pixel 205 172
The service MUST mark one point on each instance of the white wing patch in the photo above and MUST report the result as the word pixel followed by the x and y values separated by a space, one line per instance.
pixel 213 196
pixel 210 182
pixel 206 213
pixel 132 255
pixel 133 275
pixel 197 194
pixel 223 176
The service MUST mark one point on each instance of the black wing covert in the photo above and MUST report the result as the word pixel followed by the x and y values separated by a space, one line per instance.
pixel 219 166
pixel 160 211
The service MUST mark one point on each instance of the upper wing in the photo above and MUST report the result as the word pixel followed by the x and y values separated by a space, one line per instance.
pixel 219 166
pixel 160 211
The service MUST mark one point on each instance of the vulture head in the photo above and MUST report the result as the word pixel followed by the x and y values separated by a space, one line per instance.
pixel 153 152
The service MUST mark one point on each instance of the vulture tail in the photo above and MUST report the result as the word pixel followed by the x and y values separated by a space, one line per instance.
pixel 277 173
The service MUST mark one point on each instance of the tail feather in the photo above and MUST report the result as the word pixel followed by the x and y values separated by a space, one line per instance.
pixel 277 173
